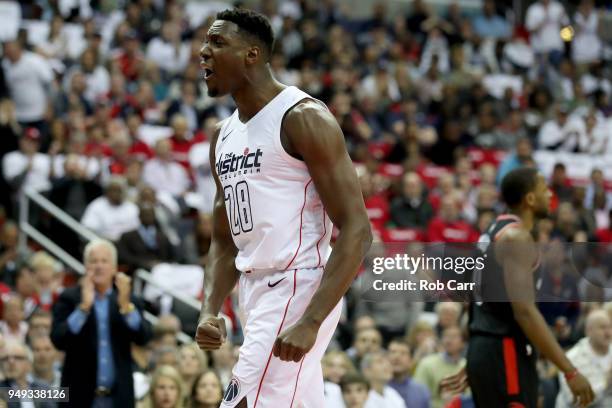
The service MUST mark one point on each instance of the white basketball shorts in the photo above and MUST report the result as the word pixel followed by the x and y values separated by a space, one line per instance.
pixel 273 302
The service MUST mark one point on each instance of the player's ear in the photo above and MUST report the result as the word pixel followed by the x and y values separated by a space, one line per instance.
pixel 530 199
pixel 253 54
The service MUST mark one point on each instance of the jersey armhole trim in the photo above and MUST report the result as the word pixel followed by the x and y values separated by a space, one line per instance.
pixel 292 161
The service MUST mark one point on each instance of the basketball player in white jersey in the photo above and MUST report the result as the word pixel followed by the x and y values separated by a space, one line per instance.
pixel 283 176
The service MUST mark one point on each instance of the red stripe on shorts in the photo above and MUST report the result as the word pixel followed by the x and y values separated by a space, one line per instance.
pixel 296 381
pixel 277 333
pixel 512 375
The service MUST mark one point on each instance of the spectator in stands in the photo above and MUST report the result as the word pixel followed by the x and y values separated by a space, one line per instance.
pixel 592 356
pixel 25 288
pixel 377 369
pixel 605 234
pixel 166 330
pixel 586 46
pixel 163 174
pixel 147 245
pixel 366 341
pixel 585 216
pixel 559 185
pixel 182 140
pixel 16 360
pixel 335 365
pixel 13 326
pixel 520 157
pixel 129 59
pixel 355 390
pixel 166 356
pixel 166 390
pixel 206 391
pixel 28 77
pixel 168 51
pixel 192 361
pixel 413 393
pixel 544 20
pixel 448 226
pixel 47 277
pixel 9 252
pixel 563 133
pixel 411 209
pixel 26 167
pixel 489 24
pixel 433 368
pixel 39 324
pixel 448 316
pixel 111 215
pixel 45 362
pixel 97 366
pixel 422 340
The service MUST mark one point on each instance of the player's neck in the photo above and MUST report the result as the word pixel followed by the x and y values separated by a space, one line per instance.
pixel 526 216
pixel 260 89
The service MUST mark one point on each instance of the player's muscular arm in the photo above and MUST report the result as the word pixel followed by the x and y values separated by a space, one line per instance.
pixel 220 273
pixel 311 133
pixel 516 252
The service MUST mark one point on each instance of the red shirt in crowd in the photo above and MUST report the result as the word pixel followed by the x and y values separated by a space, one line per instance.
pixel 181 148
pixel 604 235
pixel 457 231
pixel 377 207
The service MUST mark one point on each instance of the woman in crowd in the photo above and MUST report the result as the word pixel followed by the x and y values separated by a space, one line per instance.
pixel 206 391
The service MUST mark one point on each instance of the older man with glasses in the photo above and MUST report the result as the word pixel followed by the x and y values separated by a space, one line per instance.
pixel 16 359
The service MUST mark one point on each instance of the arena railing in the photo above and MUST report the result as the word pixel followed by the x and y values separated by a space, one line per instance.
pixel 30 196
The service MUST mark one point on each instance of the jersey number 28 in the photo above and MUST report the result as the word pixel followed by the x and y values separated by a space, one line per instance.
pixel 238 202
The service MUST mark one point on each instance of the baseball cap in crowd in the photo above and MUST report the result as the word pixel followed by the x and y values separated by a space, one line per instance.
pixel 32 134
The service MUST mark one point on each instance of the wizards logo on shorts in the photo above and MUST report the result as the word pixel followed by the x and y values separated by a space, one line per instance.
pixel 232 391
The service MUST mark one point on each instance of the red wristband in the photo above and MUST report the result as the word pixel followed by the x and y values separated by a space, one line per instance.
pixel 570 375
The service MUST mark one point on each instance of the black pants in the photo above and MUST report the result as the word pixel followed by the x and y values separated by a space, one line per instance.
pixel 502 373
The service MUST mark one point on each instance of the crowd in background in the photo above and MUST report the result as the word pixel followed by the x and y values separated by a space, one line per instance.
pixel 103 111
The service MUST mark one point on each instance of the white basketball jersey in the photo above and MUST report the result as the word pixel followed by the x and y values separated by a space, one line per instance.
pixel 276 216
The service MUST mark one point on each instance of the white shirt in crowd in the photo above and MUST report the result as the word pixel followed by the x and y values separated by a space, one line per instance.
pixel 10 335
pixel 564 138
pixel 586 46
pixel 544 23
pixel 110 221
pixel 37 178
pixel 333 395
pixel 167 176
pixel 168 56
pixel 27 80
pixel 389 399
pixel 205 183
pixel 595 367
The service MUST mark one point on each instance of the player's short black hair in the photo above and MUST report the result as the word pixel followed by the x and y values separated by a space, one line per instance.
pixel 251 23
pixel 516 184
pixel 353 378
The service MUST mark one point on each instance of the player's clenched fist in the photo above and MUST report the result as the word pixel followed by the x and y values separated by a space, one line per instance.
pixel 211 333
pixel 293 343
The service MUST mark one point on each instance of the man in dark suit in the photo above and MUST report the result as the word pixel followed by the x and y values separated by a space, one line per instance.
pixel 16 361
pixel 95 325
pixel 147 245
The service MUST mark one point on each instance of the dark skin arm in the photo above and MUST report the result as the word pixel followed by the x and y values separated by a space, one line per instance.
pixel 311 133
pixel 220 273
pixel 517 253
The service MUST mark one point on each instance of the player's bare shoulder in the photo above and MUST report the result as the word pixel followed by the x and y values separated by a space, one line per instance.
pixel 309 125
pixel 517 242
